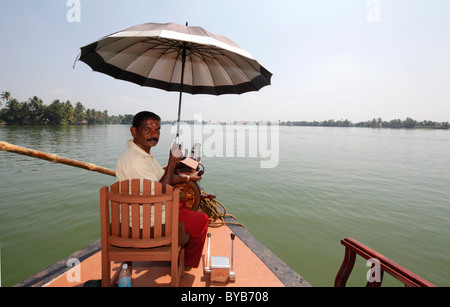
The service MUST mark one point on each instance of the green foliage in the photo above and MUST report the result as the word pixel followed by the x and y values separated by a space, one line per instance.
pixel 35 112
pixel 408 123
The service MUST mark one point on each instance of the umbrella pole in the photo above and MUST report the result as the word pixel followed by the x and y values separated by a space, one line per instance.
pixel 183 63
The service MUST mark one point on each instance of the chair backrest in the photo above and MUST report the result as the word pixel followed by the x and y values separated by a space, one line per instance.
pixel 132 214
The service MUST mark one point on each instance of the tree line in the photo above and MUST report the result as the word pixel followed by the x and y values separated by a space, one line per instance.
pixel 374 123
pixel 35 112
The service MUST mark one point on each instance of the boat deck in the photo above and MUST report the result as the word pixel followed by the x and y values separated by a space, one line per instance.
pixel 254 266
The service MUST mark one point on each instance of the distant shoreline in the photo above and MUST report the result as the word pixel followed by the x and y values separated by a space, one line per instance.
pixel 408 123
pixel 35 113
pixel 329 124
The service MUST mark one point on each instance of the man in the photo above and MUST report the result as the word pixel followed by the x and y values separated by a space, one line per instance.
pixel 137 162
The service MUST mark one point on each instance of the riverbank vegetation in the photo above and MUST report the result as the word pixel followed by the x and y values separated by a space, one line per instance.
pixel 408 123
pixel 35 112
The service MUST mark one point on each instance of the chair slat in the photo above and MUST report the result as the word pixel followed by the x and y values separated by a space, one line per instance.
pixel 124 211
pixel 146 220
pixel 135 221
pixel 146 210
pixel 158 220
pixel 135 210
pixel 158 189
pixel 146 187
pixel 169 208
pixel 115 212
pixel 124 220
pixel 149 243
pixel 136 199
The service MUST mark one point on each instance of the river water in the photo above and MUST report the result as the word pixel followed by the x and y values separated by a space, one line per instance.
pixel 389 189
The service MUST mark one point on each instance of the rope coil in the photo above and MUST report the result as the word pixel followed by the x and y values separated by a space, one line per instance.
pixel 209 205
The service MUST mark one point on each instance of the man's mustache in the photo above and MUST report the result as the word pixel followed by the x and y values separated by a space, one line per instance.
pixel 153 139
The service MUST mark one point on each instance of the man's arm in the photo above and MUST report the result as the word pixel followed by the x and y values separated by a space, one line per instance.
pixel 169 176
pixel 185 178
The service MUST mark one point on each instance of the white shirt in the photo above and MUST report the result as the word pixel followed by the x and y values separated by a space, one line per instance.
pixel 135 163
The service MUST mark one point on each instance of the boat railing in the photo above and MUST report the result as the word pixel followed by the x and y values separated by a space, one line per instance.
pixel 379 264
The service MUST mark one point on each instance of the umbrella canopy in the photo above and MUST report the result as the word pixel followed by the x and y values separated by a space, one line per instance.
pixel 178 58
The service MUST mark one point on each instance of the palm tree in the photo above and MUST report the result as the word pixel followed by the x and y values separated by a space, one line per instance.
pixel 54 112
pixel 68 111
pixel 37 109
pixel 79 113
pixel 14 112
pixel 6 96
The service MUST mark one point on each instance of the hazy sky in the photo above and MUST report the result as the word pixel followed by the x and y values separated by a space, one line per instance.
pixel 331 59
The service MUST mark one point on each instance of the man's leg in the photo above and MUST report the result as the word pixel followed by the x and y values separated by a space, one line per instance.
pixel 183 237
pixel 196 225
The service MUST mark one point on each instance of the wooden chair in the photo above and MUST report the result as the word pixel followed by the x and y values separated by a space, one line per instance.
pixel 132 227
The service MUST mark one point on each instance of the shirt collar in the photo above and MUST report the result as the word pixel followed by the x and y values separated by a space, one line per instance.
pixel 132 145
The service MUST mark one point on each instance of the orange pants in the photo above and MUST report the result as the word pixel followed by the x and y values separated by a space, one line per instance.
pixel 196 225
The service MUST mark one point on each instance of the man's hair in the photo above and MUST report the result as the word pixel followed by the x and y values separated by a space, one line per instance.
pixel 142 116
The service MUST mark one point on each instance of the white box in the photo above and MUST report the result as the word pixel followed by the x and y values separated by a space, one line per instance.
pixel 220 269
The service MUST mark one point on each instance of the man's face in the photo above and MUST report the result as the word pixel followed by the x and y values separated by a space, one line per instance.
pixel 147 135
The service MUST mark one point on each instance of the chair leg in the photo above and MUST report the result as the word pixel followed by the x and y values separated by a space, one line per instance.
pixel 180 265
pixel 116 275
pixel 177 269
pixel 174 274
pixel 106 272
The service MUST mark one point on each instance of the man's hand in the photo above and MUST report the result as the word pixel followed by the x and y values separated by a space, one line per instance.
pixel 175 153
pixel 174 157
pixel 195 176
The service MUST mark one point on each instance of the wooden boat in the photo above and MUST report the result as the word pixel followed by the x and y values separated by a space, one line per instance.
pixel 253 264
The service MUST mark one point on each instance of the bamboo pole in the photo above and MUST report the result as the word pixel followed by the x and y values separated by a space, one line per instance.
pixel 4 146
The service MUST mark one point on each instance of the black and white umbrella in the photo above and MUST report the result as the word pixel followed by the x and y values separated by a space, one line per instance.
pixel 178 58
